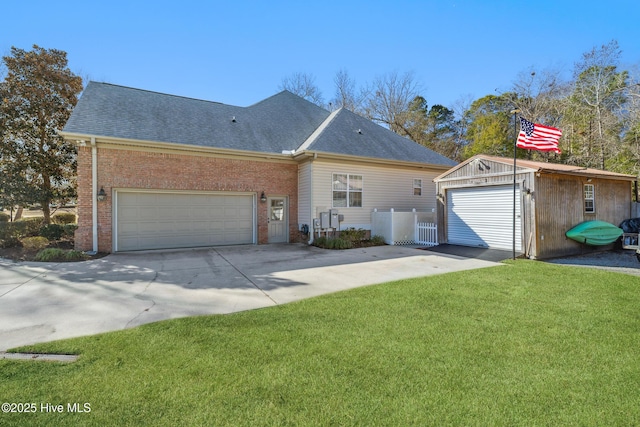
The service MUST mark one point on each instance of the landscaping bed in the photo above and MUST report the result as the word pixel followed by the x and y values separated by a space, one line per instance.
pixel 30 240
pixel 348 239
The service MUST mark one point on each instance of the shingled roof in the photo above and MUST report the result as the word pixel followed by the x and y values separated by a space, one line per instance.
pixel 283 122
pixel 351 134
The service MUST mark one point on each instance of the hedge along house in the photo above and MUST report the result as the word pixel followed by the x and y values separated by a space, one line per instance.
pixel 476 204
pixel 162 171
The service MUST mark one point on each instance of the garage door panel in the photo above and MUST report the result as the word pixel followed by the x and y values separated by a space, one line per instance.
pixel 172 220
pixel 483 216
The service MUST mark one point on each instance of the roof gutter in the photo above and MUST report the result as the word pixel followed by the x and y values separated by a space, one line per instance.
pixel 176 147
pixel 301 155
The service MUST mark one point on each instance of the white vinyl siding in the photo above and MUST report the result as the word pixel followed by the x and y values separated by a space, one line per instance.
pixel 483 216
pixel 304 194
pixel 385 187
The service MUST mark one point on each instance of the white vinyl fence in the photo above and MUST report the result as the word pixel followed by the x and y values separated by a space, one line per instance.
pixel 427 233
pixel 405 227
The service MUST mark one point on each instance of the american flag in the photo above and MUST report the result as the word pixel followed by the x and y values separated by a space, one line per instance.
pixel 534 136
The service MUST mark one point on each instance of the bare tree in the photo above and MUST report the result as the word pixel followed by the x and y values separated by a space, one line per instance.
pixel 390 98
pixel 303 85
pixel 537 95
pixel 347 95
pixel 596 102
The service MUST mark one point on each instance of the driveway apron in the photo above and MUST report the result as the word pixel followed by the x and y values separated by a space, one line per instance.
pixel 48 301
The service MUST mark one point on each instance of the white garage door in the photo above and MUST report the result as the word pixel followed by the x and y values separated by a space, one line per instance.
pixel 181 220
pixel 483 216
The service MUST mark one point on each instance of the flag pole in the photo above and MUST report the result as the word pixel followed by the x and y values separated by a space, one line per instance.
pixel 515 140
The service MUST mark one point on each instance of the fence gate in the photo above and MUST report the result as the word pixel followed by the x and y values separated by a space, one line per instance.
pixel 427 234
pixel 405 228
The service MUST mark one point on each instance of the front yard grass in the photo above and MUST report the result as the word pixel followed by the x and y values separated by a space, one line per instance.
pixel 527 344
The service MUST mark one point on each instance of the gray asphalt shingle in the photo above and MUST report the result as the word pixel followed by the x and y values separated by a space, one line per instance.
pixel 272 125
pixel 351 134
pixel 281 122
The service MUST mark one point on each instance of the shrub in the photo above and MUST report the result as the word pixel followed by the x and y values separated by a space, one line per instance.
pixel 12 232
pixel 52 231
pixel 4 217
pixel 320 242
pixel 28 227
pixel 73 255
pixel 35 243
pixel 63 218
pixel 56 254
pixel 377 240
pixel 9 242
pixel 49 254
pixel 339 243
pixel 69 230
pixel 332 243
pixel 353 235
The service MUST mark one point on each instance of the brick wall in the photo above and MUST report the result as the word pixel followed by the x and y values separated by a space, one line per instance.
pixel 84 233
pixel 132 169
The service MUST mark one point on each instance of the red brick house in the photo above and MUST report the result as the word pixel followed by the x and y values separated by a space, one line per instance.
pixel 162 171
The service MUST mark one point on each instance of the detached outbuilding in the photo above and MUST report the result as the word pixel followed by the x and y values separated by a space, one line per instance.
pixel 476 204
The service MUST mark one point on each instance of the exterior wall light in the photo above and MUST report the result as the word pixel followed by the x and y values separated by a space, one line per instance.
pixel 263 198
pixel 102 195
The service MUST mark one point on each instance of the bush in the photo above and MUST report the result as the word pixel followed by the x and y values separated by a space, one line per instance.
pixel 9 242
pixel 339 243
pixel 377 240
pixel 56 254
pixel 69 230
pixel 28 227
pixel 35 243
pixel 353 235
pixel 320 242
pixel 63 218
pixel 12 232
pixel 332 243
pixel 4 217
pixel 52 231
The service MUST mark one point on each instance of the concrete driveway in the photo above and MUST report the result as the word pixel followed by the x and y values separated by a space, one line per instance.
pixel 48 301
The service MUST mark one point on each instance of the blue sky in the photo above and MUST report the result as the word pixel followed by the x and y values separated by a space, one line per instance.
pixel 237 52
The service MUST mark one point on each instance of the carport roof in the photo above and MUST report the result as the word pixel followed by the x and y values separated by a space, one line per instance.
pixel 282 123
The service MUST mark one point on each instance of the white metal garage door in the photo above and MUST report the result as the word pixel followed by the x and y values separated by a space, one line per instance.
pixel 483 216
pixel 181 220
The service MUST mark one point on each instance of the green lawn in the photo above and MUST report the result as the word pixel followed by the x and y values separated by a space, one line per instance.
pixel 525 344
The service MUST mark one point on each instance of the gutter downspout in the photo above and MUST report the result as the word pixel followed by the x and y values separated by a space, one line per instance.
pixel 94 193
pixel 312 231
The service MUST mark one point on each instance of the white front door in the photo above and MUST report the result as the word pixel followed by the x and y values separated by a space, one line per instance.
pixel 278 219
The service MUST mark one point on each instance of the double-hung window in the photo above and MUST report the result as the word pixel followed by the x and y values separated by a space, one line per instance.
pixel 417 187
pixel 589 198
pixel 347 190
